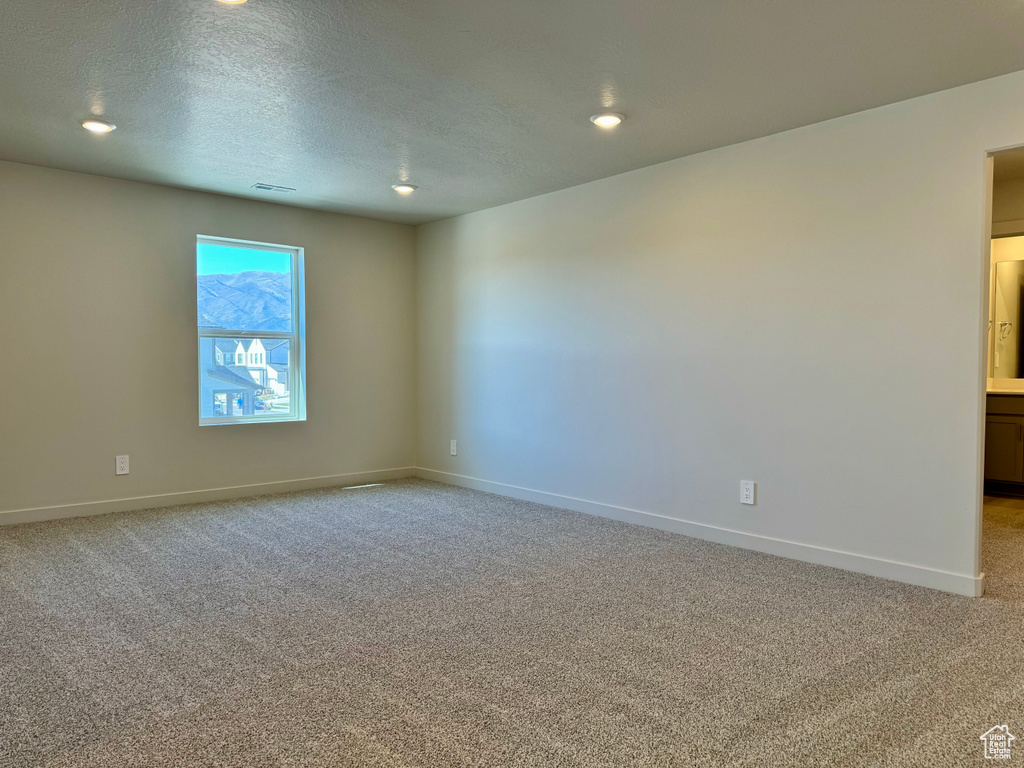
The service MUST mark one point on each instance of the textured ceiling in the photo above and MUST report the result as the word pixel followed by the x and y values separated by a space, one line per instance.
pixel 479 102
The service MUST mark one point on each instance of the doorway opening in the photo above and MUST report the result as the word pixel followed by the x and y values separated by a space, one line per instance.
pixel 1001 518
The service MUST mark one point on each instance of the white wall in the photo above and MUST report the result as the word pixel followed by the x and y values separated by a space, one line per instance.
pixel 98 344
pixel 804 310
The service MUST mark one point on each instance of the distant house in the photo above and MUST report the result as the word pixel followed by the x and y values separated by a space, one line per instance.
pixel 239 370
pixel 277 364
pixel 277 351
pixel 278 376
pixel 228 389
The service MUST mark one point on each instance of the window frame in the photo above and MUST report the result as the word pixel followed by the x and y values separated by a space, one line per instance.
pixel 296 337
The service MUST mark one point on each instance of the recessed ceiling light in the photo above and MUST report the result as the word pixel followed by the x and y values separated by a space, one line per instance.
pixel 404 189
pixel 98 126
pixel 607 119
pixel 231 2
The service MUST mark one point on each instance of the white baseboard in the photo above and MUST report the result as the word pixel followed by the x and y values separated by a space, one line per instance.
pixel 37 514
pixel 946 581
pixel 960 584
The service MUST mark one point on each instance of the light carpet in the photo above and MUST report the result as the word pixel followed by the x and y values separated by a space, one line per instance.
pixel 417 624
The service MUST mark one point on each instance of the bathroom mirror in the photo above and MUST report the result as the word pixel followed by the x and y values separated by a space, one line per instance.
pixel 1008 360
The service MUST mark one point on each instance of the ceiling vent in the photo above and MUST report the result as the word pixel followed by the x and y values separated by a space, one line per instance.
pixel 272 188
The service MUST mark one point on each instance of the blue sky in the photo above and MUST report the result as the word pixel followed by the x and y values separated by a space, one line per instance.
pixel 224 259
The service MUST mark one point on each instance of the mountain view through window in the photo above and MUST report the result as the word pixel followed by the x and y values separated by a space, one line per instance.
pixel 246 327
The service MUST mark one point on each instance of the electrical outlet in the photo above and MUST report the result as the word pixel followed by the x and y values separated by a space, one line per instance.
pixel 748 490
pixel 455 447
pixel 121 465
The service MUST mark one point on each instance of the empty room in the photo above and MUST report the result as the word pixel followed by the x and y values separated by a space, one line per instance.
pixel 438 384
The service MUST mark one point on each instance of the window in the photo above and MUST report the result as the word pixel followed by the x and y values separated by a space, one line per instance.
pixel 249 296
